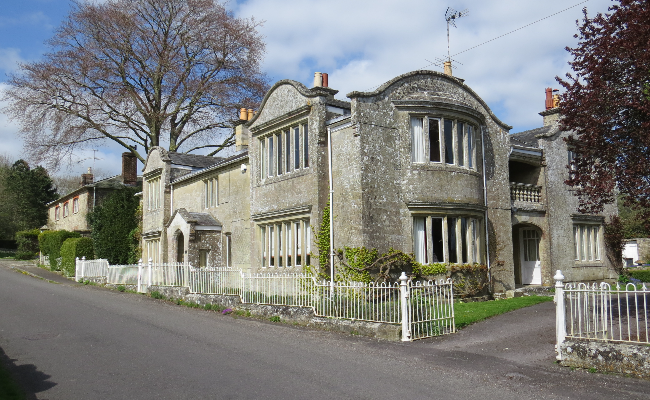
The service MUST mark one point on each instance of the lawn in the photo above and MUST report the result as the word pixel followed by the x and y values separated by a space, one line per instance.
pixel 468 313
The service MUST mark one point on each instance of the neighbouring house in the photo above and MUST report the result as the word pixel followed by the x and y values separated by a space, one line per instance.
pixel 69 211
pixel 420 164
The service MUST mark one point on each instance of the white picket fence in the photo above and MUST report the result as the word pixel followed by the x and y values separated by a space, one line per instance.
pixel 601 312
pixel 423 309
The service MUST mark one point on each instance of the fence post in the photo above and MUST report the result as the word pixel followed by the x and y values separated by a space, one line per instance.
pixel 78 273
pixel 404 296
pixel 139 275
pixel 149 279
pixel 560 313
pixel 83 267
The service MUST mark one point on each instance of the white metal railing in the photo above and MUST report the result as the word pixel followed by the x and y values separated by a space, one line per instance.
pixel 601 312
pixel 90 268
pixel 122 274
pixel 225 281
pixel 359 301
pixel 423 309
pixel 525 192
pixel 431 311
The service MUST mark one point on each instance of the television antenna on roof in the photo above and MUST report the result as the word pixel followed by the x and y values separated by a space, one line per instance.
pixel 451 16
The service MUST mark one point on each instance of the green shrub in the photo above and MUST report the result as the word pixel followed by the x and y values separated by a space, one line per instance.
pixel 429 269
pixel 642 275
pixel 73 248
pixel 115 227
pixel 50 243
pixel 27 242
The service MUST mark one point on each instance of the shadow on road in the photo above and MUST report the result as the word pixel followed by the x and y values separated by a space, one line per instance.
pixel 27 376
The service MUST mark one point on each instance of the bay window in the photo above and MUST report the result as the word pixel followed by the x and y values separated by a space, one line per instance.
pixel 447 239
pixel 437 139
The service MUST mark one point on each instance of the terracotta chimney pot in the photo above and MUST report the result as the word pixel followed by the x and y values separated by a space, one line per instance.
pixel 325 79
pixel 243 115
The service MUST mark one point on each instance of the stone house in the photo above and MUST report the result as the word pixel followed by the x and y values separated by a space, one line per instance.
pixel 69 211
pixel 420 164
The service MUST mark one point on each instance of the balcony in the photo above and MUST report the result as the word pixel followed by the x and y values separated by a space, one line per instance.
pixel 526 196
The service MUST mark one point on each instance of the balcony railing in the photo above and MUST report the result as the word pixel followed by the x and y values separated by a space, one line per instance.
pixel 527 193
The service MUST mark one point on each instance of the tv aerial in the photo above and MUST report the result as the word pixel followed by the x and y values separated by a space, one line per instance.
pixel 451 16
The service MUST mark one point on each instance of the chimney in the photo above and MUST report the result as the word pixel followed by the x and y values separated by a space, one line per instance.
pixel 448 68
pixel 129 168
pixel 87 179
pixel 243 114
pixel 318 79
pixel 325 78
pixel 549 98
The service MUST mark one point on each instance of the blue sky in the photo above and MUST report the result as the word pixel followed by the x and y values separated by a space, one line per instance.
pixel 361 44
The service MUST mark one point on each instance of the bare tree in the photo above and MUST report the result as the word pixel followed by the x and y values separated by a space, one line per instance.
pixel 141 73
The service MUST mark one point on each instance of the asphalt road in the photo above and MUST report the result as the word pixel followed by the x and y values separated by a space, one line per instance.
pixel 68 341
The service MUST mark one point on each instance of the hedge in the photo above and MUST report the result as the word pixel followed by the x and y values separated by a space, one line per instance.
pixel 27 244
pixel 73 248
pixel 642 275
pixel 50 243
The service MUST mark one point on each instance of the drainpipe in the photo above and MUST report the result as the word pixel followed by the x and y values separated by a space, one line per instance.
pixel 329 154
pixel 487 233
pixel 94 195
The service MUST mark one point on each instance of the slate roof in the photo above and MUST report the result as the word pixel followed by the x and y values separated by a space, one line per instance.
pixel 113 182
pixel 193 160
pixel 222 162
pixel 198 219
pixel 529 138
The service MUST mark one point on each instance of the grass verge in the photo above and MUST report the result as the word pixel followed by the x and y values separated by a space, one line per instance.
pixel 469 313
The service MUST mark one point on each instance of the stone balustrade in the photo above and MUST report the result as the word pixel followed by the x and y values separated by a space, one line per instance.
pixel 528 193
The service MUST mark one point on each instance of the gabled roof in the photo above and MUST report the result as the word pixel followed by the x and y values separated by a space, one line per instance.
pixel 197 219
pixel 224 161
pixel 529 138
pixel 113 182
pixel 193 160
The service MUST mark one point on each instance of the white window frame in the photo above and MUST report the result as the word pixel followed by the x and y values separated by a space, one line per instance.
pixel 285 243
pixel 284 151
pixel 587 242
pixel 469 245
pixel 421 152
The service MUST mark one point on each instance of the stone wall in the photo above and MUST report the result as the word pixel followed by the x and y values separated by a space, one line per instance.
pixel 623 358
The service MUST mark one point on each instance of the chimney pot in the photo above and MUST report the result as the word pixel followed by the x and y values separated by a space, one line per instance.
pixel 243 115
pixel 549 98
pixel 448 68
pixel 318 79
pixel 250 114
pixel 325 79
pixel 129 168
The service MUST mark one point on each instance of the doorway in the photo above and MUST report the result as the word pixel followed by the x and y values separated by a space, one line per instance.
pixel 180 247
pixel 531 266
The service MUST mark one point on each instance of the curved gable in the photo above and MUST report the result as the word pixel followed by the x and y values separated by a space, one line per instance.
pixel 429 86
pixel 156 157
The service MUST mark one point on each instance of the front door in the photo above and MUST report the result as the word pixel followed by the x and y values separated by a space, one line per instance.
pixel 531 269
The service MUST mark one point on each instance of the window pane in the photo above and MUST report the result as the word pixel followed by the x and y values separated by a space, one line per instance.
pixel 420 240
pixel 296 148
pixel 449 141
pixel 307 243
pixel 596 237
pixel 417 140
pixel 280 244
pixel 206 190
pixel 271 247
pixel 451 240
pixel 287 148
pixel 290 244
pixel 263 158
pixel 463 240
pixel 305 141
pixel 438 240
pixel 271 167
pixel 280 159
pixel 576 243
pixel 470 147
pixel 263 237
pixel 460 134
pixel 298 244
pixel 434 140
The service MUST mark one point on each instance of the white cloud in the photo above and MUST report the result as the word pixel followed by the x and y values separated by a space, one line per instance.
pixel 364 43
pixel 9 59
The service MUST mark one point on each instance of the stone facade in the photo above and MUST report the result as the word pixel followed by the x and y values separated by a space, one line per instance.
pixel 420 165
pixel 69 212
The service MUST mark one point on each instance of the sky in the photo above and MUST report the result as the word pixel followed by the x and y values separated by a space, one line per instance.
pixel 361 44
